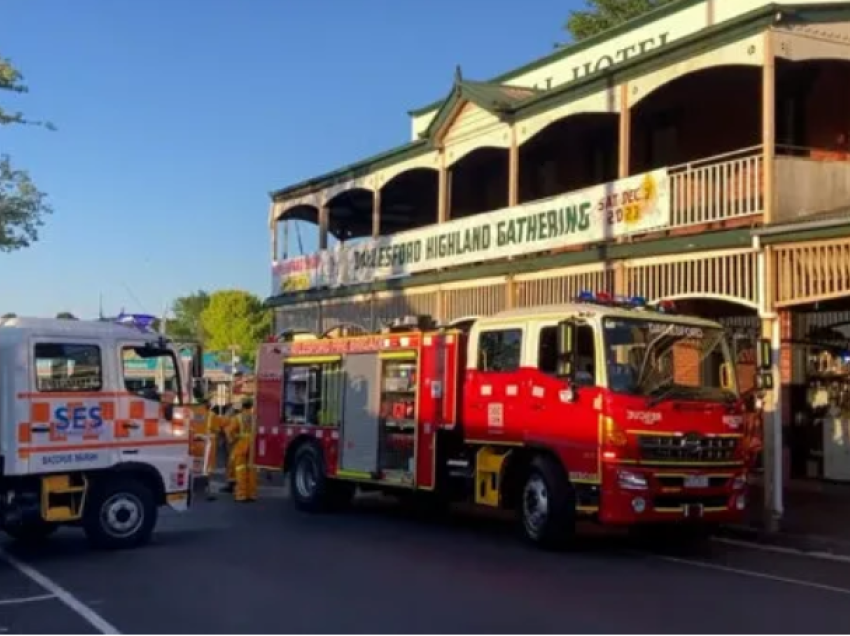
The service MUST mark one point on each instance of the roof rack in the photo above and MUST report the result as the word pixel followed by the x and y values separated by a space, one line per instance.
pixel 422 322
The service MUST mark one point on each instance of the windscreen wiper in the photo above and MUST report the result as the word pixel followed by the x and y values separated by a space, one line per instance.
pixel 664 392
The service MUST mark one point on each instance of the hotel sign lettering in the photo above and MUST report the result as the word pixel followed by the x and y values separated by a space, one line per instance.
pixel 635 205
pixel 596 63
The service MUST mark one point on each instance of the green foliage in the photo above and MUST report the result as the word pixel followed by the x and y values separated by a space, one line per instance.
pixel 601 15
pixel 65 315
pixel 11 80
pixel 22 205
pixel 186 324
pixel 235 318
pixel 11 314
pixel 22 208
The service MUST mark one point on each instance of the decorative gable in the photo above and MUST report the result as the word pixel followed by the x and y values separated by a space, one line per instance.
pixel 472 107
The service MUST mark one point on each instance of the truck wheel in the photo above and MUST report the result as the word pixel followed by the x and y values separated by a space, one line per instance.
pixel 547 506
pixel 31 531
pixel 120 514
pixel 309 486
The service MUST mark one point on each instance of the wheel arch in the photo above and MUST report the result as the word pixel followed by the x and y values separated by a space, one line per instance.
pixel 517 467
pixel 292 449
pixel 145 473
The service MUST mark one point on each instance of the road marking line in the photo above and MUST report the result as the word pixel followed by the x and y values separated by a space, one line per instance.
pixel 76 605
pixel 757 575
pixel 826 556
pixel 26 599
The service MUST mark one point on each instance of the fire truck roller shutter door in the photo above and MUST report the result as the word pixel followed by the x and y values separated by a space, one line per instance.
pixel 359 436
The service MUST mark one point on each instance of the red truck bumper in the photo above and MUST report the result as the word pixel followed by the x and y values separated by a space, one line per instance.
pixel 636 495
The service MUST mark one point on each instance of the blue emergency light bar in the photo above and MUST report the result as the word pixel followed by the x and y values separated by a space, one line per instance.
pixel 603 298
pixel 626 302
pixel 142 322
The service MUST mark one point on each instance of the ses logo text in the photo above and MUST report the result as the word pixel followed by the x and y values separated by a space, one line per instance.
pixel 77 419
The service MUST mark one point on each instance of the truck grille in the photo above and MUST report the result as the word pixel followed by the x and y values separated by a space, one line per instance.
pixel 691 447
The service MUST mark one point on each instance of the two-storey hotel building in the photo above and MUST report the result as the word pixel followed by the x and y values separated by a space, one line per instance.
pixel 699 153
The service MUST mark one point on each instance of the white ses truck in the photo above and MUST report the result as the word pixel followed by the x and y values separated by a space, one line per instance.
pixel 94 428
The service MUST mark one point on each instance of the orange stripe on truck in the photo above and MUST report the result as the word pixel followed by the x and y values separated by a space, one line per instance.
pixel 75 447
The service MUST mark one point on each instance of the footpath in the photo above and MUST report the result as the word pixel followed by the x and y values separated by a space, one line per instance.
pixel 816 519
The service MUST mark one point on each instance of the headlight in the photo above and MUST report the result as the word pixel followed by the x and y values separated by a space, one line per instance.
pixel 632 481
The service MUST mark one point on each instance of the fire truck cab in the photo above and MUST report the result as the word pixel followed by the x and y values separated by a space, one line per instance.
pixel 600 408
pixel 85 437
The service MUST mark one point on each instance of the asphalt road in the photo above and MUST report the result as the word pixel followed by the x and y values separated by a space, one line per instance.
pixel 263 568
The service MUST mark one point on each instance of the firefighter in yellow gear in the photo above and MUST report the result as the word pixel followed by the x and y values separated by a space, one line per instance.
pixel 213 430
pixel 239 461
pixel 231 427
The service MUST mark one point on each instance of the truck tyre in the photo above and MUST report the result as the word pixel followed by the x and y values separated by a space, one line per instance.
pixel 547 505
pixel 119 514
pixel 310 488
pixel 31 531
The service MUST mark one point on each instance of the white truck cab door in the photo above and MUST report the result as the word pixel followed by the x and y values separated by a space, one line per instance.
pixel 150 426
pixel 70 406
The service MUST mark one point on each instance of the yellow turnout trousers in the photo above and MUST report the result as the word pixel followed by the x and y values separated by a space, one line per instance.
pixel 244 474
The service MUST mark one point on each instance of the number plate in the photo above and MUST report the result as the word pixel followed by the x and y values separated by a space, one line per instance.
pixel 696 481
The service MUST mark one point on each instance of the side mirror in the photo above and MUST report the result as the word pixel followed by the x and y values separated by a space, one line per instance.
pixel 764 355
pixel 168 412
pixel 726 377
pixel 566 350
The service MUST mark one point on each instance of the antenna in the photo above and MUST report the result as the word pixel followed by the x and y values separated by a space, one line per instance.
pixel 100 307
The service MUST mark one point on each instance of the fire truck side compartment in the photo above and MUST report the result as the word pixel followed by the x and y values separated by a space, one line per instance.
pixel 359 436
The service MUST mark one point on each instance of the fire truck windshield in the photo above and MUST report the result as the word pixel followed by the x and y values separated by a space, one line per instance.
pixel 667 360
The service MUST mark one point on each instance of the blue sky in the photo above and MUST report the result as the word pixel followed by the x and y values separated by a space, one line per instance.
pixel 175 120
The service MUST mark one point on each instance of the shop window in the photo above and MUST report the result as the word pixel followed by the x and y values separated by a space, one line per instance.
pixel 151 373
pixel 68 367
pixel 499 351
pixel 312 394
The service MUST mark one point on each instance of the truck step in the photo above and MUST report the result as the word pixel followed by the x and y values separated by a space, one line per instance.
pixel 488 475
pixel 62 497
pixel 58 514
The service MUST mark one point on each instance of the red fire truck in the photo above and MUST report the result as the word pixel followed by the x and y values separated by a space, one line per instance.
pixel 603 408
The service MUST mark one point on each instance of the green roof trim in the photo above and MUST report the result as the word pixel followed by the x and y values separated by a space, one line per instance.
pixel 801 232
pixel 682 49
pixel 577 47
pixel 355 170
pixel 723 239
pixel 497 99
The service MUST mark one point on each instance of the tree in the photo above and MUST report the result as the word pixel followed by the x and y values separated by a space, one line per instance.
pixel 235 318
pixel 22 205
pixel 601 15
pixel 8 315
pixel 186 324
pixel 65 315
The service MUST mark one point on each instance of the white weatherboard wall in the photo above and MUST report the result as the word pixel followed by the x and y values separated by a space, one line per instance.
pixel 628 46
